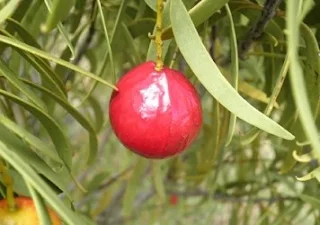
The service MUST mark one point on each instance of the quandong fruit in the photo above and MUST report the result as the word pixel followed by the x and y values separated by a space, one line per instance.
pixel 155 114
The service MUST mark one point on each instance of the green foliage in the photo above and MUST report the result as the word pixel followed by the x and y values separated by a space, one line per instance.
pixel 258 152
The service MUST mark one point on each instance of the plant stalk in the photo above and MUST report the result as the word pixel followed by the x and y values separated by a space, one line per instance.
pixel 8 182
pixel 158 40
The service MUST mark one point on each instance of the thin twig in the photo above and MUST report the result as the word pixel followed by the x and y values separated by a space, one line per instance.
pixel 217 196
pixel 267 13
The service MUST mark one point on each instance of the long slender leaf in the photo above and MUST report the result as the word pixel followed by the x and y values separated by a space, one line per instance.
pixel 40 186
pixel 105 30
pixel 92 152
pixel 16 145
pixel 42 211
pixel 58 11
pixel 234 71
pixel 48 56
pixel 296 77
pixel 14 80
pixel 50 79
pixel 199 13
pixel 209 75
pixel 8 10
pixel 50 125
pixel 29 138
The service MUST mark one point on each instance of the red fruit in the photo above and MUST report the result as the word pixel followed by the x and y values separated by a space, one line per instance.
pixel 156 114
pixel 25 213
pixel 174 199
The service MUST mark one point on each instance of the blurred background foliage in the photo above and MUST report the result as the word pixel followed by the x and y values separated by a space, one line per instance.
pixel 59 62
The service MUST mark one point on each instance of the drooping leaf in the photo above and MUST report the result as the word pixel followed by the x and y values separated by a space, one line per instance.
pixel 40 186
pixel 48 56
pixel 296 77
pixel 53 129
pixel 200 62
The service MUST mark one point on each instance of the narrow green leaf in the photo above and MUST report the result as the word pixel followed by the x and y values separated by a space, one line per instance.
pixel 42 211
pixel 61 178
pixel 53 129
pixel 65 36
pixel 8 10
pixel 234 71
pixel 209 75
pixel 57 13
pixel 131 45
pixel 40 186
pixel 157 176
pixel 199 13
pixel 92 152
pixel 254 132
pixel 133 184
pixel 50 79
pixel 13 79
pixel 151 4
pixel 110 54
pixel 48 56
pixel 313 174
pixel 296 78
pixel 29 138
pixel 19 186
pixel 315 202
pixel 98 112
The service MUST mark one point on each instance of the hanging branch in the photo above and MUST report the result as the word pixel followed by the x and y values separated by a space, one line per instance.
pixel 268 12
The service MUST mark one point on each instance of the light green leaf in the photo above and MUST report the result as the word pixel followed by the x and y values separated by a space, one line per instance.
pixel 53 129
pixel 254 132
pixel 199 13
pixel 14 80
pixel 58 11
pixel 92 152
pixel 109 44
pixel 29 138
pixel 16 145
pixel 297 80
pixel 50 79
pixel 315 202
pixel 157 176
pixel 42 211
pixel 313 174
pixel 48 56
pixel 105 31
pixel 209 75
pixel 234 71
pixel 133 184
pixel 151 4
pixel 8 10
pixel 40 186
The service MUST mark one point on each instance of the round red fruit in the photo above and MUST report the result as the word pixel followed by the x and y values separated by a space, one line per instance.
pixel 156 114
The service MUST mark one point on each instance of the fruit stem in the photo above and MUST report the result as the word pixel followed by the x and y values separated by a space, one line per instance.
pixel 8 182
pixel 158 40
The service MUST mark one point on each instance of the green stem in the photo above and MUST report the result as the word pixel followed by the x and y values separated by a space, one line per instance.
pixel 8 182
pixel 158 40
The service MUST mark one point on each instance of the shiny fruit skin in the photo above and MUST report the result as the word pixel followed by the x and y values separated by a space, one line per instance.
pixel 25 213
pixel 155 114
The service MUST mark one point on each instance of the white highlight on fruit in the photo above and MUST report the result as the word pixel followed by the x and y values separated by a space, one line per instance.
pixel 155 98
